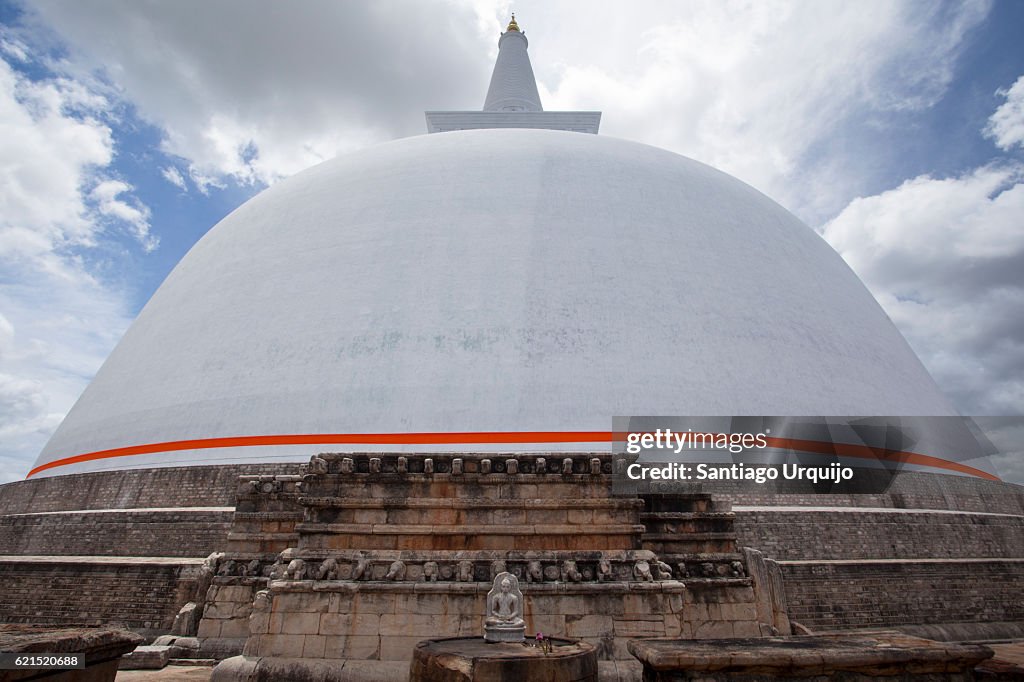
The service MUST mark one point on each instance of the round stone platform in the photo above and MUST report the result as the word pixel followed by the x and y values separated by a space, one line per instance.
pixel 462 659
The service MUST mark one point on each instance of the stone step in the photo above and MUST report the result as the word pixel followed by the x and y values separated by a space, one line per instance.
pixel 686 516
pixel 688 537
pixel 476 529
pixel 470 537
pixel 193 662
pixel 688 527
pixel 701 557
pixel 504 488
pixel 560 502
pixel 675 502
pixel 557 518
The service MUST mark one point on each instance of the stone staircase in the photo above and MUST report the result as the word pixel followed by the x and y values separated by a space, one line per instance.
pixel 693 533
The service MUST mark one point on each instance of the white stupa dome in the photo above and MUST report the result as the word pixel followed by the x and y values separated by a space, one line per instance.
pixel 503 284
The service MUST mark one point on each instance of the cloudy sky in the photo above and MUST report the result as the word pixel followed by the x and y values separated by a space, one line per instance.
pixel 128 128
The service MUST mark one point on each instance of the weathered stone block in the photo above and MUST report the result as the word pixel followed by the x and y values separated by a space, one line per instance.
pixel 289 646
pixel 739 612
pixel 398 648
pixel 652 626
pixel 314 646
pixel 208 628
pixel 301 623
pixel 235 593
pixel 673 626
pixel 361 647
pixel 644 604
pixel 235 628
pixel 339 602
pixel 394 625
pixel 580 516
pixel 421 604
pixel 147 658
pixel 746 629
pixel 335 623
pixel 548 624
pixel 365 624
pixel 373 603
pixel 714 630
pixel 593 625
pixel 561 604
pixel 259 623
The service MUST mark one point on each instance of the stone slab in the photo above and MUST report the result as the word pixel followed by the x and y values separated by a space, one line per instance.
pixel 818 657
pixel 148 657
pixel 102 647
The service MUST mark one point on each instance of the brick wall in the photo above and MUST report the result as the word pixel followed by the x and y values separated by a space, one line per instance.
pixel 162 534
pixel 142 596
pixel 793 535
pixel 884 594
pixel 206 486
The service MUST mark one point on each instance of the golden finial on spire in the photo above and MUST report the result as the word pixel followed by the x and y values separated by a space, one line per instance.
pixel 512 25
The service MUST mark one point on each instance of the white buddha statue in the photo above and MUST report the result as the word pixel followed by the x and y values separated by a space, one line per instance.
pixel 504 620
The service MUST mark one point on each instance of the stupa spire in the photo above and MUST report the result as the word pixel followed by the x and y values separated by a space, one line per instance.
pixel 512 98
pixel 513 85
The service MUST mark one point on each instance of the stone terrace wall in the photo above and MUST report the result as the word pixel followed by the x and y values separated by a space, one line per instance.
pixel 141 595
pixel 202 486
pixel 909 490
pixel 816 534
pixel 214 486
pixel 384 621
pixel 149 533
pixel 824 595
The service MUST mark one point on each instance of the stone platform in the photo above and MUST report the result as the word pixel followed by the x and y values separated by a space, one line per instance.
pixel 882 655
pixel 470 659
pixel 361 556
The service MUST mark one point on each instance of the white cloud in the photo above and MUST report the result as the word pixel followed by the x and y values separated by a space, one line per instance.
pixel 57 321
pixel 174 176
pixel 753 88
pixel 944 257
pixel 14 49
pixel 1006 125
pixel 255 91
pixel 130 211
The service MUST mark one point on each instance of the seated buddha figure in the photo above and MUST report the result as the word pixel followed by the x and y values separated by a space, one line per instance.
pixel 504 620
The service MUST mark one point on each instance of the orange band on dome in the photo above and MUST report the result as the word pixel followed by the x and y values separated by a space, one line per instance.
pixel 454 438
pixel 498 437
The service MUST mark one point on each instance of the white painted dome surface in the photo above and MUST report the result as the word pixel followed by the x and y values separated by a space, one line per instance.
pixel 491 281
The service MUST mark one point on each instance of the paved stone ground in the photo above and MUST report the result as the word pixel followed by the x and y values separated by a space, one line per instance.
pixel 172 673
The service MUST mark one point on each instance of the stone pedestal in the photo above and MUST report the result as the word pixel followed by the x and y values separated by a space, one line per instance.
pixel 466 659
